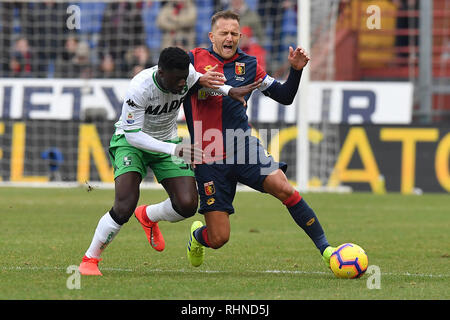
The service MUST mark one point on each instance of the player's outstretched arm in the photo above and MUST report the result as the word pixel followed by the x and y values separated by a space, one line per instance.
pixel 191 153
pixel 285 93
pixel 216 81
pixel 239 93
pixel 143 141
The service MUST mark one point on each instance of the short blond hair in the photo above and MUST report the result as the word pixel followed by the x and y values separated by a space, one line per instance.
pixel 226 14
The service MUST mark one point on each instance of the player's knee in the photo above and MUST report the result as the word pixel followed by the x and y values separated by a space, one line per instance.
pixel 186 205
pixel 121 213
pixel 283 192
pixel 218 240
pixel 278 185
pixel 286 190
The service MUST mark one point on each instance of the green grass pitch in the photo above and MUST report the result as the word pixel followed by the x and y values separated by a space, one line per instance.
pixel 45 231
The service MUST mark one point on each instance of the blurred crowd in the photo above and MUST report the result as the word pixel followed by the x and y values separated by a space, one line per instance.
pixel 35 40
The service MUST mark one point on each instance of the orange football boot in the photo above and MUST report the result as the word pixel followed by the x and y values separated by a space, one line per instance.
pixel 89 267
pixel 154 235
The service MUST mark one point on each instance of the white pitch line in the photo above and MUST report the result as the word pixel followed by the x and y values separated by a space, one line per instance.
pixel 406 274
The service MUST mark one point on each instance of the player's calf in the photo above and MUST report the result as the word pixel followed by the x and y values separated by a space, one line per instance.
pixel 216 233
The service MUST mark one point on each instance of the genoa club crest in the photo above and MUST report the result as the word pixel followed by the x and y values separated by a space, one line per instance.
pixel 209 188
pixel 239 68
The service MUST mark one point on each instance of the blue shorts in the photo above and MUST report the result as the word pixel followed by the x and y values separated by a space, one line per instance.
pixel 217 181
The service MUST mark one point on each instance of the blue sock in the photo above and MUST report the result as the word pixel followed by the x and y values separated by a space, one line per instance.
pixel 201 235
pixel 305 217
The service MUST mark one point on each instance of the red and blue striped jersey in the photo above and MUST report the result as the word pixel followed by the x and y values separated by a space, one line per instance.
pixel 209 115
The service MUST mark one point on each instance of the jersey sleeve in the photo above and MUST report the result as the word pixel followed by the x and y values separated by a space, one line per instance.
pixel 267 80
pixel 193 76
pixel 283 93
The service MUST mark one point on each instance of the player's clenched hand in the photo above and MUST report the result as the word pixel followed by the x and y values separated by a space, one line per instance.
pixel 212 79
pixel 239 93
pixel 189 153
pixel 298 58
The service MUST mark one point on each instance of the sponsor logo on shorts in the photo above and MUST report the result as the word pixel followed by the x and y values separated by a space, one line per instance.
pixel 127 161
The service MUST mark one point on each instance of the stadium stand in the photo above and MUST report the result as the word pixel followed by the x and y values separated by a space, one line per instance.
pixel 390 53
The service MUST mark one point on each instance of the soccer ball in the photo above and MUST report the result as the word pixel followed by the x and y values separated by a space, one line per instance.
pixel 349 261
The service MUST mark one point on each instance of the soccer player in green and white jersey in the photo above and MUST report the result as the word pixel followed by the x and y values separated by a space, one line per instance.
pixel 146 136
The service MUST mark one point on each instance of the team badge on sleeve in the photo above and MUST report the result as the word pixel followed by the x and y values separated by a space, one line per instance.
pixel 239 68
pixel 209 188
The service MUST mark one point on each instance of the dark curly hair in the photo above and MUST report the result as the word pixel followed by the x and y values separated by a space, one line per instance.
pixel 173 58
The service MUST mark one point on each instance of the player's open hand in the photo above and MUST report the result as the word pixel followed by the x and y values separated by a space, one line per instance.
pixel 212 79
pixel 298 58
pixel 239 93
pixel 191 153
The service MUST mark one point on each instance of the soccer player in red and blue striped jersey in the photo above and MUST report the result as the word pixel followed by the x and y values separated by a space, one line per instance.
pixel 217 123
